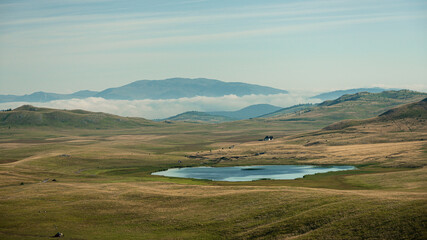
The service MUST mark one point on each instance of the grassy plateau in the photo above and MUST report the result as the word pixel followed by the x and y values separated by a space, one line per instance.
pixel 88 175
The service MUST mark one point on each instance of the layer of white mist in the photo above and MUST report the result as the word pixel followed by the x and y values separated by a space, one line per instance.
pixel 158 109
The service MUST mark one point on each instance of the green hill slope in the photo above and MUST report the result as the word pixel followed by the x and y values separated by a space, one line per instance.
pixel 416 111
pixel 339 93
pixel 248 112
pixel 200 117
pixel 353 106
pixel 28 115
pixel 224 116
pixel 289 110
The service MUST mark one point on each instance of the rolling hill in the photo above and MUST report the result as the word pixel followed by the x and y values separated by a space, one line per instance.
pixel 248 112
pixel 416 111
pixel 199 117
pixel 28 115
pixel 252 111
pixel 289 110
pixel 63 178
pixel 395 138
pixel 339 93
pixel 352 106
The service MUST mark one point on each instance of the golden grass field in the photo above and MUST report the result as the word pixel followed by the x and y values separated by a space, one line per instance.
pixel 104 188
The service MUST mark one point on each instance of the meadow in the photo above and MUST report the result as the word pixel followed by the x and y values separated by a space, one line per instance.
pixel 91 183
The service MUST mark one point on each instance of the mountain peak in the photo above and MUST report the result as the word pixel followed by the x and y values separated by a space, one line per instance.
pixel 171 88
pixel 174 88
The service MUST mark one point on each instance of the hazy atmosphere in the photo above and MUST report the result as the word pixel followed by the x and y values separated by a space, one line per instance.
pixel 213 119
pixel 66 46
pixel 156 109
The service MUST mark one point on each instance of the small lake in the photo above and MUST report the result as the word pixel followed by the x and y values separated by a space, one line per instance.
pixel 250 173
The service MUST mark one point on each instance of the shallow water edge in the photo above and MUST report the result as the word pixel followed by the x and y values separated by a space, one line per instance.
pixel 250 173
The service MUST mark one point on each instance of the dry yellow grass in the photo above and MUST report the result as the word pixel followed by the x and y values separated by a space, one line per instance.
pixel 374 143
pixel 104 190
pixel 135 137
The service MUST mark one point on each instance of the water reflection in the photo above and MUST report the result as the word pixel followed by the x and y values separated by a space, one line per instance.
pixel 250 173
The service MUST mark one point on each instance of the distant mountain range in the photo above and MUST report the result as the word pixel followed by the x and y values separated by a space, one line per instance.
pixel 355 106
pixel 46 97
pixel 339 93
pixel 225 116
pixel 156 89
pixel 349 106
pixel 184 87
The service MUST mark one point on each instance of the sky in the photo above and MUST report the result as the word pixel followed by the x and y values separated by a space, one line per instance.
pixel 305 47
pixel 65 46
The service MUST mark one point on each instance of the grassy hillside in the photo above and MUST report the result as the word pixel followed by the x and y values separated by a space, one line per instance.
pixel 200 117
pixel 339 93
pixel 416 110
pixel 385 97
pixel 248 112
pixel 224 116
pixel 353 106
pixel 407 116
pixel 289 110
pixel 33 116
pixel 396 138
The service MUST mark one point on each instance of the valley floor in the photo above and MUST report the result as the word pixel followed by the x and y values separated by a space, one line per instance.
pixel 96 184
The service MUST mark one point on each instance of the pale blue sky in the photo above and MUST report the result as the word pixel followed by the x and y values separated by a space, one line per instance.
pixel 65 46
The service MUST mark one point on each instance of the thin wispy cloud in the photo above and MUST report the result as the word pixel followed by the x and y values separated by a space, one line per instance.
pixel 116 24
pixel 44 38
pixel 114 39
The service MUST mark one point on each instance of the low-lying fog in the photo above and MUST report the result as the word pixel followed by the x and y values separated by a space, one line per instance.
pixel 158 109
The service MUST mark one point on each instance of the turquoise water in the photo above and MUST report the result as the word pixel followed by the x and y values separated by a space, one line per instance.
pixel 249 173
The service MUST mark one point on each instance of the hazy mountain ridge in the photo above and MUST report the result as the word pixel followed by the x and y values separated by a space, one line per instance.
pixel 171 88
pixel 248 112
pixel 355 106
pixel 46 97
pixel 339 93
pixel 199 117
pixel 289 110
pixel 252 111
pixel 350 106
pixel 184 87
